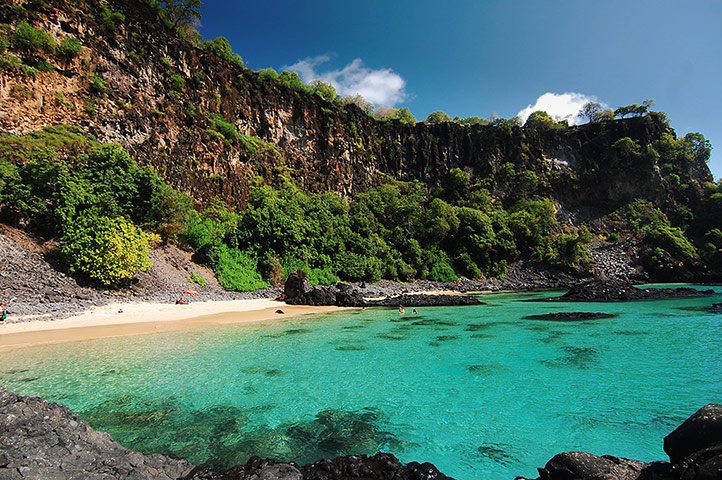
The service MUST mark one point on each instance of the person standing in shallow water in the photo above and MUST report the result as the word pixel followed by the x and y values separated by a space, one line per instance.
pixel 401 310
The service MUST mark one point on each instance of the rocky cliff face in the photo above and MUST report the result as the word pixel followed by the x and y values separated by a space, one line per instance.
pixel 162 95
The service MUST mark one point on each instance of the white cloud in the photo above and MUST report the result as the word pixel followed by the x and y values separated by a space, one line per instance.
pixel 380 87
pixel 565 106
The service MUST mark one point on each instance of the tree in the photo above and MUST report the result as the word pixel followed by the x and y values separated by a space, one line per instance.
pixel 106 249
pixel 634 109
pixel 595 112
pixel 701 147
pixel 438 117
pixel 183 12
pixel 360 102
pixel 540 121
pixel 324 90
pixel 401 114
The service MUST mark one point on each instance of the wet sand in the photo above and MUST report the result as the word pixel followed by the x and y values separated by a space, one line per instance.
pixel 143 318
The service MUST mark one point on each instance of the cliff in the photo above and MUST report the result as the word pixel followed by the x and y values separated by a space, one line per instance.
pixel 162 97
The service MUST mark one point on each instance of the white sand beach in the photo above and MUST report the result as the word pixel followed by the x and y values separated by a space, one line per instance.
pixel 123 319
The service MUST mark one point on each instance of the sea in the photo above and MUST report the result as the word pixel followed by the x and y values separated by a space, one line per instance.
pixel 482 392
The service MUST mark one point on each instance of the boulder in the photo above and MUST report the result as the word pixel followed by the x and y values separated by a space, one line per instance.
pixel 296 284
pixel 700 431
pixel 701 465
pixel 585 466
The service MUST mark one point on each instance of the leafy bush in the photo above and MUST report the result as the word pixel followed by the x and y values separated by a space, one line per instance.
pixel 69 48
pixel 198 279
pixel 177 82
pixel 228 130
pixel 97 84
pixel 106 249
pixel 109 20
pixel 33 40
pixel 235 269
pixel 442 271
pixel 222 48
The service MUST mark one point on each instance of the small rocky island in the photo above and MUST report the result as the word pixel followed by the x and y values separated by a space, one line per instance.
pixel 43 441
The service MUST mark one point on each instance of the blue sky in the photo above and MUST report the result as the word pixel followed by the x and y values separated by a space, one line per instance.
pixel 478 57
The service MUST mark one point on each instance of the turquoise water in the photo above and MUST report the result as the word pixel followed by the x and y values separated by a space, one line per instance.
pixel 480 392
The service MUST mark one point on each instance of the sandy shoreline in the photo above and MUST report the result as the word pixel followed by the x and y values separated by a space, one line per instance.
pixel 122 319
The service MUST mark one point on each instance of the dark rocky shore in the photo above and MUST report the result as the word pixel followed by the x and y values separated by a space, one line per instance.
pixel 297 291
pixel 47 441
pixel 616 290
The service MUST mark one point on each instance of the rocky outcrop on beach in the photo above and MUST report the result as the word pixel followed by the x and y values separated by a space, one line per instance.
pixel 620 290
pixel 298 291
pixel 46 441
pixel 694 450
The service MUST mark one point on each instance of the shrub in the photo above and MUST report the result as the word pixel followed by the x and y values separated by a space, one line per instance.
pixel 228 130
pixel 97 84
pixel 106 249
pixel 44 66
pixel 268 74
pixel 235 269
pixel 441 271
pixel 109 20
pixel 177 82
pixel 222 48
pixel 197 279
pixel 29 39
pixel 69 48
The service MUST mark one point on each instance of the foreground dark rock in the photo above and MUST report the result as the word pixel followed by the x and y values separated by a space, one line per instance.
pixel 570 316
pixel 379 466
pixel 297 291
pixel 47 441
pixel 694 449
pixel 717 307
pixel 619 290
pixel 700 431
pixel 42 440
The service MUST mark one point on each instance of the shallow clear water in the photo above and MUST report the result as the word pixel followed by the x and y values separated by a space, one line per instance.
pixel 480 392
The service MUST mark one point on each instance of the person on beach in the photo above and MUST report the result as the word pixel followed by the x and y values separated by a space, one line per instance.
pixel 3 313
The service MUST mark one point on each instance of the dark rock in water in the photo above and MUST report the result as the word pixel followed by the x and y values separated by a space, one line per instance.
pixel 296 284
pixel 44 440
pixel 580 465
pixel 619 290
pixel 700 431
pixel 717 307
pixel 570 316
pixel 420 300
